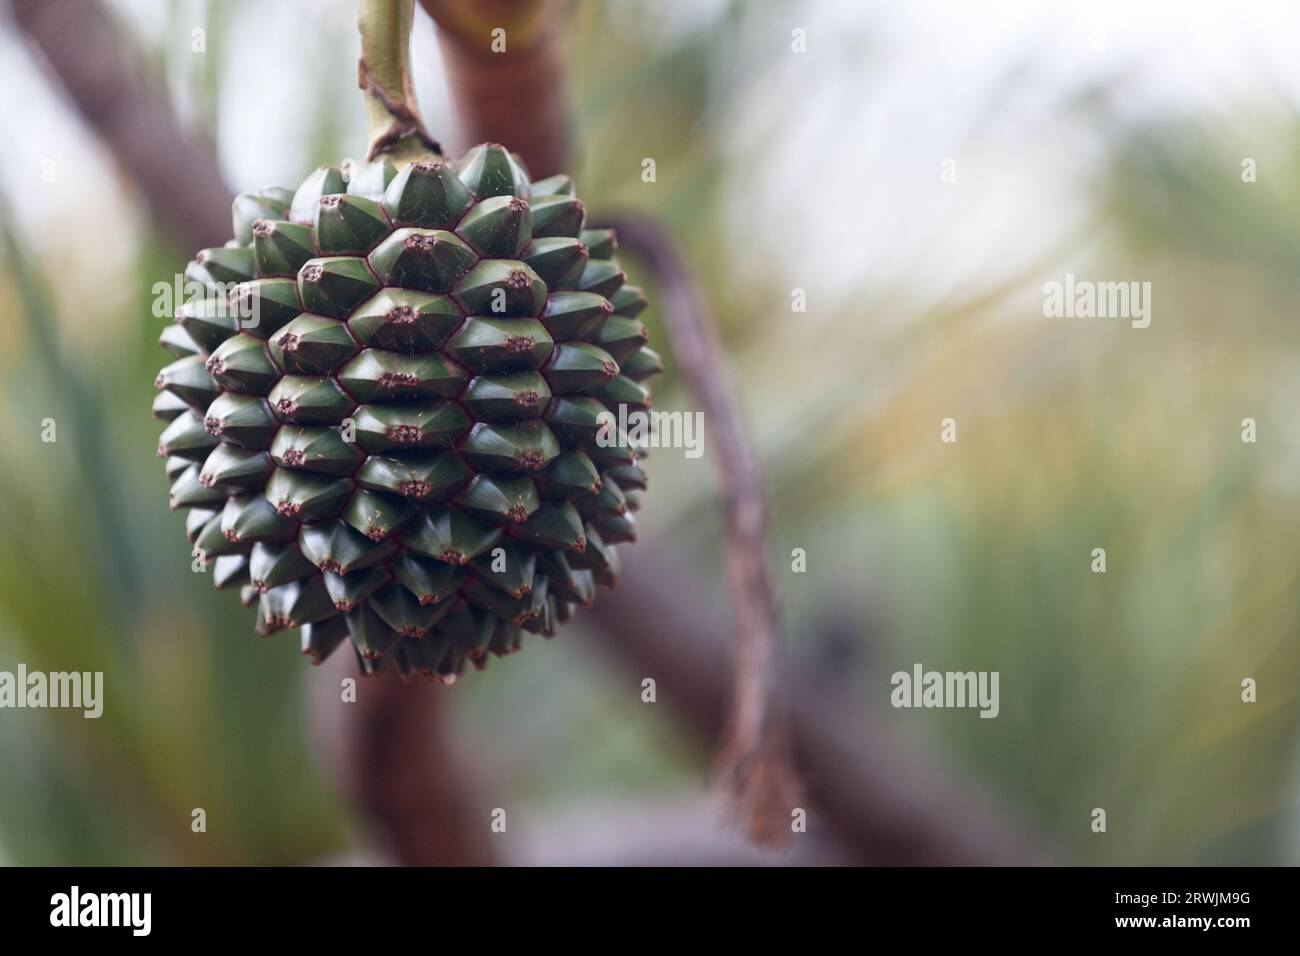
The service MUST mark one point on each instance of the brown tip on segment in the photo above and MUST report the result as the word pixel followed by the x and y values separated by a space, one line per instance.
pixel 415 488
pixel 401 315
pixel 517 279
pixel 597 485
pixel 390 380
pixel 420 242
pixel 410 632
pixel 609 368
pixel 403 434
pixel 527 398
pixel 331 201
pixel 447 679
pixel 517 513
pixel 288 342
pixel 201 258
pixel 427 599
pixel 262 227
pixel 330 566
pixel 376 533
pixel 583 250
pixel 286 406
pixel 294 458
pixel 531 459
pixel 517 205
pixel 206 480
pixel 159 382
pixel 212 426
pixel 519 344
pixel 452 556
pixel 287 508
pixel 214 366
pixel 428 166
pixel 606 306
pixel 581 544
pixel 313 273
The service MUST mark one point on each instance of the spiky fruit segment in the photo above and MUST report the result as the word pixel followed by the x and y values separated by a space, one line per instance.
pixel 401 444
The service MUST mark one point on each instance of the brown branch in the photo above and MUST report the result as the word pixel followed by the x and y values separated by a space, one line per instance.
pixel 517 97
pixel 121 106
pixel 892 805
pixel 754 765
pixel 390 754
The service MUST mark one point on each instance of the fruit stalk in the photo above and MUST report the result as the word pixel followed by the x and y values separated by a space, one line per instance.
pixel 393 121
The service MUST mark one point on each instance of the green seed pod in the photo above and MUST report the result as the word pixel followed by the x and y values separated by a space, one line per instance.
pixel 498 227
pixel 426 195
pixel 558 216
pixel 575 315
pixel 379 376
pixel 348 225
pixel 575 366
pixel 188 380
pixel 559 261
pixel 314 448
pixel 491 170
pixel 502 345
pixel 501 287
pixel 325 181
pixel 312 345
pixel 406 320
pixel 281 248
pixel 430 476
pixel 309 400
pixel 241 364
pixel 388 428
pixel 335 285
pixel 503 398
pixel 523 447
pixel 426 259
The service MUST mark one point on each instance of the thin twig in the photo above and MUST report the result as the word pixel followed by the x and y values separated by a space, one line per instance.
pixel 754 765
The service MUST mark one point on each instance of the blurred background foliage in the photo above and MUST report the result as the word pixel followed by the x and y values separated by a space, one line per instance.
pixel 1106 143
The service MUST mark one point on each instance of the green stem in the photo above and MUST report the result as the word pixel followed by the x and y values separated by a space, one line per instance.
pixel 393 119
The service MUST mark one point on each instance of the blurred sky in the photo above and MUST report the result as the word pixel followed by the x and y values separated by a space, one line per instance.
pixel 852 133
